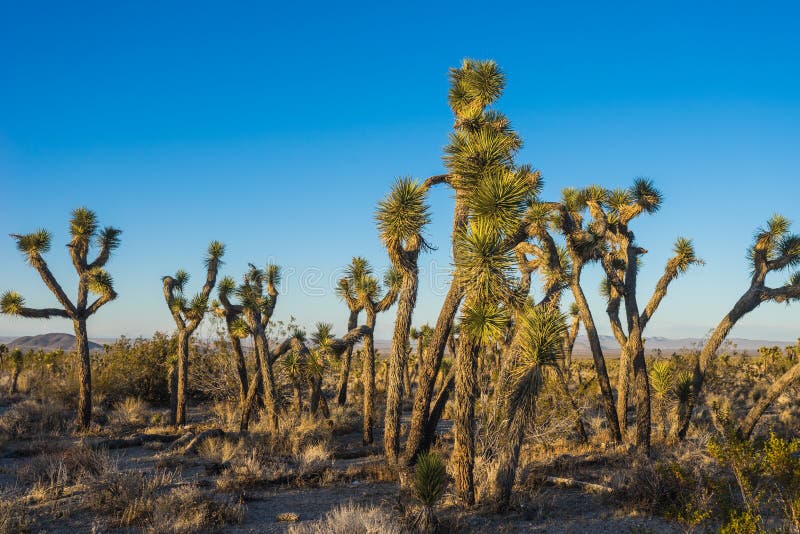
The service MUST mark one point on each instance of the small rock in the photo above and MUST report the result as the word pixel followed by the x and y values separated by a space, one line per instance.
pixel 287 516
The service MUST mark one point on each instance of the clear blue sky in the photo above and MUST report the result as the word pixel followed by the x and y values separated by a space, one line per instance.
pixel 276 127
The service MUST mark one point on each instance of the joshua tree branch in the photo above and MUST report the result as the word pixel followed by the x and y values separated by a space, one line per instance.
pixel 100 302
pixel 42 313
pixel 50 281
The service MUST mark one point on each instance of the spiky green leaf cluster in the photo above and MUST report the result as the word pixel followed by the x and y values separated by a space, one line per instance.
pixel 109 238
pixel 662 378
pixel 484 261
pixel 35 243
pixel 215 251
pixel 474 86
pixel 11 303
pixel 538 344
pixel 239 328
pixel 100 282
pixel 500 199
pixel 685 255
pixel 403 214
pixel 484 321
pixel 226 287
pixel 323 335
pixel 430 478
pixel 83 224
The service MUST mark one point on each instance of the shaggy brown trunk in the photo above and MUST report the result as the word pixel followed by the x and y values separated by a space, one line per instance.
pixel 394 398
pixel 316 395
pixel 406 378
pixel 749 422
pixel 507 461
pixel 14 377
pixel 85 387
pixel 438 409
pixel 623 387
pixel 344 376
pixel 427 374
pixel 597 355
pixel 464 421
pixel 747 303
pixel 297 388
pixel 268 379
pixel 635 347
pixel 172 386
pixel 183 373
pixel 368 377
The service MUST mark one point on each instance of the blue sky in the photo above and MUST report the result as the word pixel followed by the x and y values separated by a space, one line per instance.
pixel 277 128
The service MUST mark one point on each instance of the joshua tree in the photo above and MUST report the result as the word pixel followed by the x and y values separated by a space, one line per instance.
pixel 358 267
pixel 315 366
pixel 538 345
pixel 401 217
pixel 582 248
pixel 93 278
pixel 187 315
pixel 774 249
pixel 481 149
pixel 571 336
pixel 612 212
pixel 422 336
pixel 430 481
pixel 237 329
pixel 16 367
pixel 294 366
pixel 366 291
pixel 258 295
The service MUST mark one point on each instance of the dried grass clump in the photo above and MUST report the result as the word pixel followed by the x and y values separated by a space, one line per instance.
pixel 14 516
pixel 351 519
pixel 131 411
pixel 51 473
pixel 314 459
pixel 250 471
pixel 31 417
pixel 220 450
pixel 226 414
pixel 187 509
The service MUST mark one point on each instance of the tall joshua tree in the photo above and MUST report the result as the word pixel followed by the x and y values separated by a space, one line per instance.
pixel 367 292
pixel 188 314
pixel 258 295
pixel 774 249
pixel 612 213
pixel 358 267
pixel 401 217
pixel 481 143
pixel 538 345
pixel 583 246
pixel 93 278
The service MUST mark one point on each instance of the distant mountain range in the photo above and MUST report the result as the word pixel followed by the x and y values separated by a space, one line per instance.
pixel 46 342
pixel 669 345
pixel 66 342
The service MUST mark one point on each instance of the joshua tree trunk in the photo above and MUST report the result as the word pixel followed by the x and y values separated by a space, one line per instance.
pixel 597 354
pixel 402 325
pixel 576 413
pixel 749 422
pixel 14 377
pixel 426 378
pixel 85 387
pixel 267 378
pixel 448 383
pixel 464 424
pixel 747 303
pixel 623 387
pixel 507 461
pixel 368 377
pixel 344 376
pixel 183 374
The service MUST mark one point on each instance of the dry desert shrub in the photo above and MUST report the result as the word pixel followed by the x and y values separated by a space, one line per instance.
pixel 30 417
pixel 314 459
pixel 351 519
pixel 131 411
